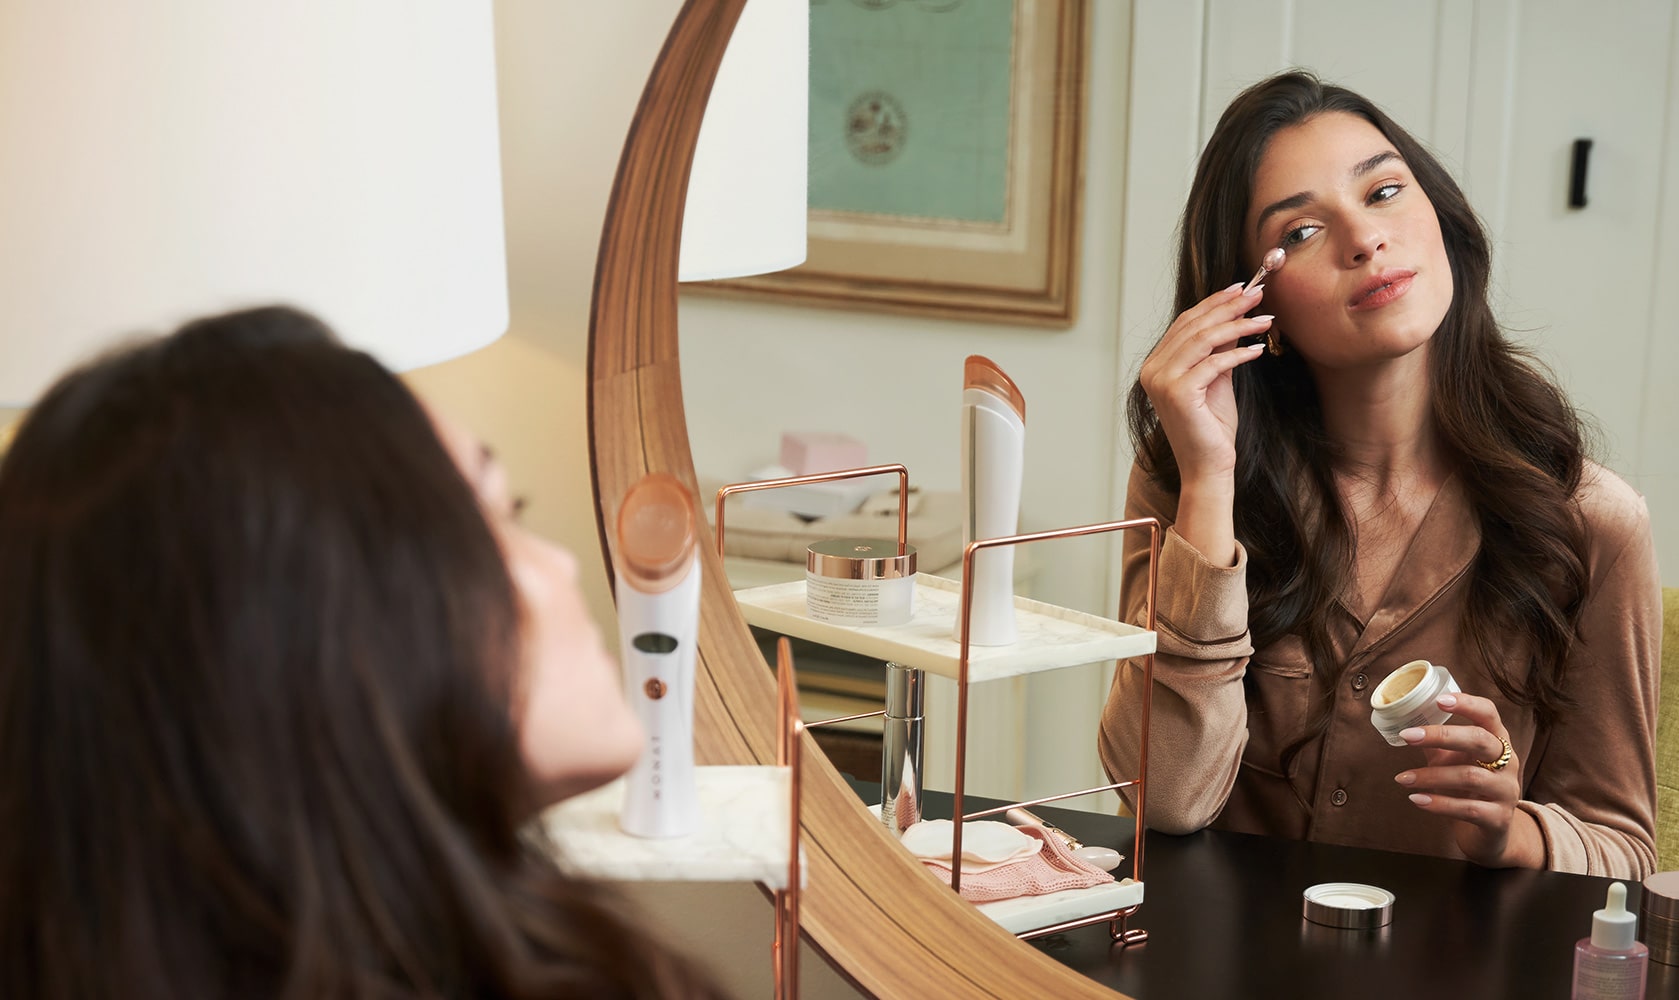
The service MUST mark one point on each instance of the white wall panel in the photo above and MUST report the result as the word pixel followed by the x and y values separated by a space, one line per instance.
pixel 1399 55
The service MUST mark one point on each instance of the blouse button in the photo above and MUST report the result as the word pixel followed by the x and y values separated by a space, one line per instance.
pixel 1339 797
pixel 1360 681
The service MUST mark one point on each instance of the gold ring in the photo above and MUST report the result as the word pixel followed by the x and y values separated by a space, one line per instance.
pixel 1503 759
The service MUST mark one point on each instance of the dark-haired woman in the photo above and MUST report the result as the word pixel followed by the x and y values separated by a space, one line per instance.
pixel 1359 470
pixel 281 682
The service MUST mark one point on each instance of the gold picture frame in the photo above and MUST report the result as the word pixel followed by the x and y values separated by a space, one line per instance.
pixel 946 153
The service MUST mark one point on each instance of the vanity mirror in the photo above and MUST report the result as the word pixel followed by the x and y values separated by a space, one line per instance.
pixel 882 921
pixel 1478 82
pixel 1468 74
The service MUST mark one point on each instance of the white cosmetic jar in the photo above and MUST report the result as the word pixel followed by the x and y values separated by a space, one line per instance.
pixel 1406 697
pixel 860 581
pixel 1348 905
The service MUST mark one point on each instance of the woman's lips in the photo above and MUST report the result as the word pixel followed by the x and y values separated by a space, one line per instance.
pixel 1382 289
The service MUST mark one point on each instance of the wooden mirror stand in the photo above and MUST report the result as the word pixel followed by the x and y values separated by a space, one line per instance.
pixel 874 912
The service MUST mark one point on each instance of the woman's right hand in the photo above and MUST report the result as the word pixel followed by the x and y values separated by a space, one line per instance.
pixel 1187 378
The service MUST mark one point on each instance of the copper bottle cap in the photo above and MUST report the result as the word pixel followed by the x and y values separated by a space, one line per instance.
pixel 859 559
pixel 980 372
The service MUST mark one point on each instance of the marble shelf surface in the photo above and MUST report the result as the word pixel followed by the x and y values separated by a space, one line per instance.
pixel 743 835
pixel 1028 913
pixel 1051 637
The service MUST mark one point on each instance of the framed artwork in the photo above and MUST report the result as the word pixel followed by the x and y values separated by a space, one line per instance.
pixel 945 151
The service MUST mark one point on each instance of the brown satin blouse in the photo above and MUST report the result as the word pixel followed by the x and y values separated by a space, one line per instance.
pixel 1589 779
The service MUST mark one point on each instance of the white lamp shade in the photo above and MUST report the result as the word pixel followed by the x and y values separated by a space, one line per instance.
pixel 167 159
pixel 747 204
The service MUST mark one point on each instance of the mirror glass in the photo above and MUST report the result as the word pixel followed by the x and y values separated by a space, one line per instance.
pixel 1472 80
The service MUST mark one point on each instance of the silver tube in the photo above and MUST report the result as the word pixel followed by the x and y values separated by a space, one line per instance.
pixel 900 751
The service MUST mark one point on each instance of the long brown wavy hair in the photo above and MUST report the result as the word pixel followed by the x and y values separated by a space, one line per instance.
pixel 1515 441
pixel 257 655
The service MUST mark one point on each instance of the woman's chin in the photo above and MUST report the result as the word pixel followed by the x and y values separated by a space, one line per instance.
pixel 578 772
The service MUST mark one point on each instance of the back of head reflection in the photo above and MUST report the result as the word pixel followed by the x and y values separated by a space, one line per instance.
pixel 281 680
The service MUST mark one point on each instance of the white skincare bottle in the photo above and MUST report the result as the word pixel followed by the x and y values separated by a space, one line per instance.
pixel 1611 964
pixel 993 464
pixel 658 592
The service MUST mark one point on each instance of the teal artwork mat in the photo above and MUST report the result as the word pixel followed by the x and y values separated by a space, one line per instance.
pixel 910 108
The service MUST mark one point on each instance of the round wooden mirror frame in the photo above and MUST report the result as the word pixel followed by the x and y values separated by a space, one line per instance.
pixel 879 917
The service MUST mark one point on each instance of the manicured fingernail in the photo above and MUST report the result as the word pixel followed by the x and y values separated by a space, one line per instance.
pixel 1447 701
pixel 1421 799
pixel 1411 735
pixel 1253 292
pixel 1255 348
pixel 1232 288
pixel 1406 777
pixel 1267 317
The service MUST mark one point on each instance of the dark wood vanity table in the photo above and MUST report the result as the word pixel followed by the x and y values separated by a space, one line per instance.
pixel 1224 919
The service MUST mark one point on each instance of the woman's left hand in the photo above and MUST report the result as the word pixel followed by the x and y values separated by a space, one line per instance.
pixel 1490 830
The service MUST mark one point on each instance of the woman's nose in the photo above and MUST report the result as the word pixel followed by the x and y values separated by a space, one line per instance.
pixel 1366 242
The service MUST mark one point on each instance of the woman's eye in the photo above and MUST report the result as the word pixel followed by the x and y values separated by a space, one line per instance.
pixel 1386 192
pixel 1298 235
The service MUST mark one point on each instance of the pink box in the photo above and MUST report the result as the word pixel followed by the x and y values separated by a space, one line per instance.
pixel 810 452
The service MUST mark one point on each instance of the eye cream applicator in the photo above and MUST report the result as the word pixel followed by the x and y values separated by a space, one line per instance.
pixel 993 462
pixel 658 593
pixel 1273 260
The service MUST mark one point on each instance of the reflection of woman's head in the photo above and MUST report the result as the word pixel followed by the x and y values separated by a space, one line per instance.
pixel 1213 254
pixel 258 648
pixel 1276 396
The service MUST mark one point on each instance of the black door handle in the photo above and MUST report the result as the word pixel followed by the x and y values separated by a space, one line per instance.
pixel 1577 175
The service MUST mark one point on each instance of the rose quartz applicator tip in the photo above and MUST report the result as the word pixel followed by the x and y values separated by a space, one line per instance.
pixel 1273 260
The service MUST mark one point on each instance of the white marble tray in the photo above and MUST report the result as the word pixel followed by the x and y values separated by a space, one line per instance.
pixel 1051 637
pixel 742 838
pixel 1028 913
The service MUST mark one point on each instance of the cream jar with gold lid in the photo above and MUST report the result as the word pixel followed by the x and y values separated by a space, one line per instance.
pixel 860 581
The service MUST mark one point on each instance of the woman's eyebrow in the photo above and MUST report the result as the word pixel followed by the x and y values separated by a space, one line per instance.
pixel 1363 167
pixel 1298 199
pixel 1288 204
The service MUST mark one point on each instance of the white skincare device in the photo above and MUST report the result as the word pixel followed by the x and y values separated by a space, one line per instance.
pixel 993 462
pixel 658 592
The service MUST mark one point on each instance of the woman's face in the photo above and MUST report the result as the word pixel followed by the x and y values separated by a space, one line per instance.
pixel 1367 279
pixel 575 729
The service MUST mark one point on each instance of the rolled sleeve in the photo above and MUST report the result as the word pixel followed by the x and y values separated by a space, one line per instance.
pixel 1198 720
pixel 1203 615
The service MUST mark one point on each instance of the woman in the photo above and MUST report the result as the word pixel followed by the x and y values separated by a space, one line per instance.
pixel 280 684
pixel 1395 481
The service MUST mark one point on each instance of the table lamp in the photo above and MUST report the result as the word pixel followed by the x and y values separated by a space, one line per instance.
pixel 165 160
pixel 162 161
pixel 746 205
